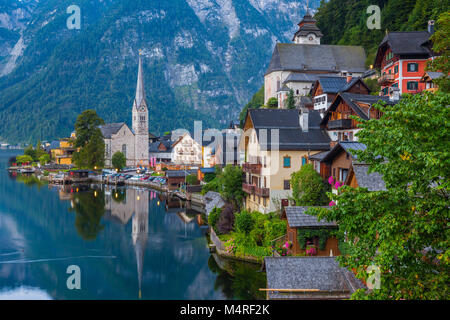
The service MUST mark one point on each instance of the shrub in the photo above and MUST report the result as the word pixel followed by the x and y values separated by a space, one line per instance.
pixel 192 179
pixel 244 222
pixel 213 218
pixel 308 188
pixel 226 220
pixel 209 177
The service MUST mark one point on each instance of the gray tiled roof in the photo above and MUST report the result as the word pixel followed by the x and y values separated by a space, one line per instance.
pixel 303 57
pixel 322 273
pixel 346 146
pixel 297 218
pixel 180 173
pixel 318 156
pixel 274 118
pixel 408 42
pixel 111 128
pixel 434 75
pixel 332 84
pixel 307 77
pixel 373 181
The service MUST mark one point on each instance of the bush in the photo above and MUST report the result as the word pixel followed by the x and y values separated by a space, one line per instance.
pixel 226 220
pixel 192 179
pixel 272 103
pixel 118 160
pixel 244 222
pixel 213 217
pixel 308 188
pixel 209 177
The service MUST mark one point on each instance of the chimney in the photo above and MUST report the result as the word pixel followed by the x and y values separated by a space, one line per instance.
pixel 394 94
pixel 304 119
pixel 430 26
pixel 349 78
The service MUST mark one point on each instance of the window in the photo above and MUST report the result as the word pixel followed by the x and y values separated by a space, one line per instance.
pixel 412 85
pixel 287 162
pixel 304 161
pixel 396 69
pixel 287 184
pixel 124 150
pixel 343 174
pixel 413 67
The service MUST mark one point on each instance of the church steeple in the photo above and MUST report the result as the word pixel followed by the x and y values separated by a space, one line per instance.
pixel 308 32
pixel 140 90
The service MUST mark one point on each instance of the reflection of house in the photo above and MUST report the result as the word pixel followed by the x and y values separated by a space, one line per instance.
pixel 299 223
pixel 277 143
pixel 308 278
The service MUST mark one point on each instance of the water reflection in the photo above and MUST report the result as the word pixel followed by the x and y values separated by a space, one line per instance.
pixel 129 243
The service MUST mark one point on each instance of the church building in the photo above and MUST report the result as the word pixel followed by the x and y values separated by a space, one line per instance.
pixel 133 143
pixel 296 66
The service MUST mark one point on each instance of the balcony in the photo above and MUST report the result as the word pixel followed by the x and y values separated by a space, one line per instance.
pixel 340 124
pixel 248 188
pixel 253 168
pixel 262 192
pixel 386 79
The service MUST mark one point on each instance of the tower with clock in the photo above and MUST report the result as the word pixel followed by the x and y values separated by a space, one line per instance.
pixel 140 120
pixel 308 32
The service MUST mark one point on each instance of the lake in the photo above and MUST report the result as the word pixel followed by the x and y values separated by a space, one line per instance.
pixel 127 243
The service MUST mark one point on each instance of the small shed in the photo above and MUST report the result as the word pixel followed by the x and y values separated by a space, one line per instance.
pixel 177 178
pixel 316 233
pixel 308 278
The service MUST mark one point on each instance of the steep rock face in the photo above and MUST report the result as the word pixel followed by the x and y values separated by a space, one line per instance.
pixel 203 60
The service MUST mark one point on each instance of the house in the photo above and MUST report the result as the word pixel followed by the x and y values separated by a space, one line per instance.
pixel 337 161
pixel 118 137
pixel 187 151
pixel 428 78
pixel 227 151
pixel 296 65
pixel 161 151
pixel 359 176
pixel 277 143
pixel 309 278
pixel 62 151
pixel 402 58
pixel 337 121
pixel 177 178
pixel 325 89
pixel 305 230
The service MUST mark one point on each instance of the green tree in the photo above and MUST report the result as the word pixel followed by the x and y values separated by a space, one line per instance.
pixel 231 183
pixel 44 159
pixel 441 44
pixel 256 102
pixel 272 103
pixel 30 151
pixel 86 127
pixel 404 229
pixel 290 101
pixel 244 222
pixel 24 159
pixel 118 160
pixel 192 179
pixel 89 140
pixel 308 187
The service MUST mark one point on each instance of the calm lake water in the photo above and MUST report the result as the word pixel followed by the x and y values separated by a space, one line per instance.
pixel 128 243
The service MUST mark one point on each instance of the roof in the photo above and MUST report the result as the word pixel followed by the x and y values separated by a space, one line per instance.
pixel 208 170
pixel 406 43
pixel 180 173
pixel 110 128
pixel 346 146
pixel 318 156
pixel 351 99
pixel 431 75
pixel 322 273
pixel 297 218
pixel 140 88
pixel 307 26
pixel 373 181
pixel 332 84
pixel 307 77
pixel 290 133
pixel 307 57
pixel 54 145
pixel 154 146
pixel 213 200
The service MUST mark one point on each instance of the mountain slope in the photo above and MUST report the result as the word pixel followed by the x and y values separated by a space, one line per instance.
pixel 203 59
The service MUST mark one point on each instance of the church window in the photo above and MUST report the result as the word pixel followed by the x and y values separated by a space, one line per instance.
pixel 124 150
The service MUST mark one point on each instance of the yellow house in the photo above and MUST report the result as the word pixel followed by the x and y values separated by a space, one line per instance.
pixel 276 143
pixel 62 151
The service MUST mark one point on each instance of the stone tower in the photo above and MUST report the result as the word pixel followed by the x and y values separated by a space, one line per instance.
pixel 140 120
pixel 308 32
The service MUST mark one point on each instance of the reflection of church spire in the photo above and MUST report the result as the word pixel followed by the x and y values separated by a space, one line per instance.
pixel 140 233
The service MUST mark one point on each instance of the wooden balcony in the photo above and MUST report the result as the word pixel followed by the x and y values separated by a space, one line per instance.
pixel 248 188
pixel 262 192
pixel 340 124
pixel 386 79
pixel 253 168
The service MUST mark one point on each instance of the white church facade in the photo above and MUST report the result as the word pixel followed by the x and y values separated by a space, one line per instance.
pixel 133 143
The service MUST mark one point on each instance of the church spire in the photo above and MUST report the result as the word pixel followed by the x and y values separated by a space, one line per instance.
pixel 140 91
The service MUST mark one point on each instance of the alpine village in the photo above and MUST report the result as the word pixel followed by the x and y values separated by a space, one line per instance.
pixel 333 184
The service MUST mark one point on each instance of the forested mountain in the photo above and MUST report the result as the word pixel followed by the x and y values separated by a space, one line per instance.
pixel 203 59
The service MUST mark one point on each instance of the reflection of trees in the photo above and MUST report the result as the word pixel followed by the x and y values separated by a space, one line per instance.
pixel 242 280
pixel 89 208
pixel 30 180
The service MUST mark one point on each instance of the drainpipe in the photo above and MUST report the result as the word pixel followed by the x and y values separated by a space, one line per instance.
pixel 370 107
